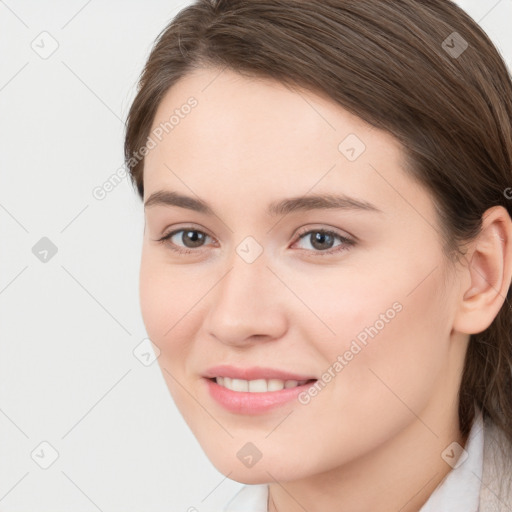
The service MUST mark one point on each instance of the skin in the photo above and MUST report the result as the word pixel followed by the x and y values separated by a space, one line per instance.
pixel 372 439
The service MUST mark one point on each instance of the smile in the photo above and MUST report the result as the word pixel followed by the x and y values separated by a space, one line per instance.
pixel 253 397
pixel 258 385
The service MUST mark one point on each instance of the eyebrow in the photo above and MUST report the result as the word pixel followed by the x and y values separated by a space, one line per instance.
pixel 282 207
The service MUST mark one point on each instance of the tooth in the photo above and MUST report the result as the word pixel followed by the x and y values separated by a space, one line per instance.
pixel 258 386
pixel 239 385
pixel 275 385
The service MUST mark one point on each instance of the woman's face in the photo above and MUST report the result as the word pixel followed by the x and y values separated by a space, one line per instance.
pixel 365 309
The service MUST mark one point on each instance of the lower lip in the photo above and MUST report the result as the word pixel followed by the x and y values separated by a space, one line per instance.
pixel 244 402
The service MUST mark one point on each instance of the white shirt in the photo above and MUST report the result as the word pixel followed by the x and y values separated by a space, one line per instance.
pixel 459 491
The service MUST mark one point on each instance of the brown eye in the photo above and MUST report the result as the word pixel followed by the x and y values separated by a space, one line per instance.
pixel 190 238
pixel 323 241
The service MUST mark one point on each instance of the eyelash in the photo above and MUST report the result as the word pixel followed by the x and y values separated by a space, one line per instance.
pixel 347 242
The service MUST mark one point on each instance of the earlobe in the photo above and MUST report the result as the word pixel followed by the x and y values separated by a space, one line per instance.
pixel 488 271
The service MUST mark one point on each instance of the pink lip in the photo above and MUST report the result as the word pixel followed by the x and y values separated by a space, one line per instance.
pixel 253 373
pixel 242 402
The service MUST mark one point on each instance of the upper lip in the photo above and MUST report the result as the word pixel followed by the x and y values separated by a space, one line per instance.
pixel 253 373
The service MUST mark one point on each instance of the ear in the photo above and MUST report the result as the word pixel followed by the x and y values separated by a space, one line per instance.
pixel 486 278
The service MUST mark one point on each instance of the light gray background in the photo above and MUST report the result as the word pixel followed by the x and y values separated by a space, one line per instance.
pixel 69 326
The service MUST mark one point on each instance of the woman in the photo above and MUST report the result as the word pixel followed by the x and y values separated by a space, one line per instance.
pixel 327 252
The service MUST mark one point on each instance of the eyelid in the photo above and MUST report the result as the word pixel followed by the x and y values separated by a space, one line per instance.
pixel 347 240
pixel 165 238
pixel 186 227
pixel 322 227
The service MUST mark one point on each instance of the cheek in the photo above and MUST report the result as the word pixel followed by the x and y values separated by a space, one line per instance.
pixel 163 299
pixel 171 307
pixel 162 304
pixel 162 291
pixel 394 345
pixel 153 298
pixel 396 323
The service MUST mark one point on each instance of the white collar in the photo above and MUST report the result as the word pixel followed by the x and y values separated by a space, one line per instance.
pixel 459 491
pixel 250 498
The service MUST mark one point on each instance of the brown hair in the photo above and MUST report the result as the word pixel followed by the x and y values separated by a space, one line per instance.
pixel 397 65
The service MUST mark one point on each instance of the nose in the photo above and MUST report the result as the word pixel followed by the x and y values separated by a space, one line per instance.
pixel 247 305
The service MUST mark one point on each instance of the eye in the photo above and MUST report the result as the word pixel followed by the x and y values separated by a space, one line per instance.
pixel 192 239
pixel 322 241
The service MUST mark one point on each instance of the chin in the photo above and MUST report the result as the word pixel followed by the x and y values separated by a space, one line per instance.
pixel 249 478
pixel 265 470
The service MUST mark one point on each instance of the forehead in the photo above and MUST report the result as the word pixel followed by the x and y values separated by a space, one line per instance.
pixel 251 110
pixel 251 136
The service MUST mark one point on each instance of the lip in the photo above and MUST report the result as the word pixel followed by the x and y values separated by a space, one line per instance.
pixel 253 373
pixel 245 402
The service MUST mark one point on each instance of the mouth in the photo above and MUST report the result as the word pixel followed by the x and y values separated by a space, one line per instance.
pixel 252 397
pixel 258 385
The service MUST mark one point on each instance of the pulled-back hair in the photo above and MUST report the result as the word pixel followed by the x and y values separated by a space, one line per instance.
pixel 402 66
